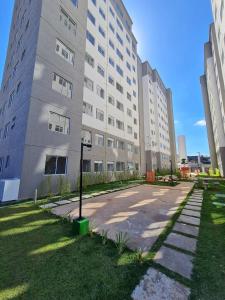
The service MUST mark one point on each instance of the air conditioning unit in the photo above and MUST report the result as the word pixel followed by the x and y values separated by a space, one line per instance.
pixel 9 189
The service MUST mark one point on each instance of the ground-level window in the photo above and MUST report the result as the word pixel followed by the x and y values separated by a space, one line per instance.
pixel 110 166
pixel 136 166
pixel 55 165
pixel 86 165
pixel 98 166
pixel 120 166
pixel 130 165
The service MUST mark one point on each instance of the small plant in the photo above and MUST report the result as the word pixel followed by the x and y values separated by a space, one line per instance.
pixel 140 255
pixel 91 228
pixel 104 236
pixel 121 241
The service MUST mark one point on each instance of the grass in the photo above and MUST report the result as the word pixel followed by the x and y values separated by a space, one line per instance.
pixel 41 259
pixel 209 270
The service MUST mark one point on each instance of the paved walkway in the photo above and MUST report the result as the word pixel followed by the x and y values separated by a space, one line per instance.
pixel 142 212
pixel 176 255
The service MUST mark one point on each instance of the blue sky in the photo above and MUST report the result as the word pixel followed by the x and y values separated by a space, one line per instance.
pixel 171 34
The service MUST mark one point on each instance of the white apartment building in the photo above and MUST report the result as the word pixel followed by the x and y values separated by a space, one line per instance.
pixel 72 73
pixel 110 104
pixel 158 124
pixel 213 88
pixel 182 149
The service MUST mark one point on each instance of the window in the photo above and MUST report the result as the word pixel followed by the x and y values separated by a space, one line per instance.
pixel 119 124
pixel 128 81
pixel 62 86
pixel 111 27
pixel 100 92
pixel 86 165
pixel 111 80
pixel 129 112
pixel 112 12
pixel 119 24
pixel 102 13
pixel 128 66
pixel 98 166
pixel 128 96
pixel 11 99
pixel 120 166
pixel 119 39
pixel 1 164
pixel 101 71
pixel 130 166
pixel 86 136
pixel 75 2
pixel 90 60
pixel 129 129
pixel 55 165
pixel 87 109
pixel 128 51
pixel 135 121
pixel 94 2
pixel 134 107
pixel 90 38
pixel 7 162
pixel 63 51
pixel 110 143
pixel 99 140
pixel 111 44
pixel 99 114
pixel 111 121
pixel 88 83
pixel 119 88
pixel 119 54
pixel 58 123
pixel 119 70
pixel 23 54
pixel 67 21
pixel 101 50
pixel 110 166
pixel 91 17
pixel 102 31
pixel 130 147
pixel 120 145
pixel 128 38
pixel 119 105
pixel 135 135
pixel 18 87
pixel 111 61
pixel 111 100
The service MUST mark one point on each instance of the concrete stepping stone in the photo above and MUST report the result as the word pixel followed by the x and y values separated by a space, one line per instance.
pixel 157 286
pixel 196 198
pixel 219 203
pixel 192 207
pixel 191 213
pixel 189 220
pixel 193 202
pixel 181 241
pixel 220 195
pixel 175 261
pixel 75 199
pixel 185 228
pixel 62 202
pixel 49 205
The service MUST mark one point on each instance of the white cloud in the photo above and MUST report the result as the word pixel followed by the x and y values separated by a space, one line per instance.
pixel 201 123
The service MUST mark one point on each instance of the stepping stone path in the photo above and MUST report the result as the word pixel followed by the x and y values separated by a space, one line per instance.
pixel 88 196
pixel 220 195
pixel 173 256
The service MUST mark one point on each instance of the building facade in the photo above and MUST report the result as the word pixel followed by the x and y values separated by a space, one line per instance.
pixel 42 92
pixel 182 149
pixel 72 73
pixel 158 123
pixel 110 107
pixel 213 88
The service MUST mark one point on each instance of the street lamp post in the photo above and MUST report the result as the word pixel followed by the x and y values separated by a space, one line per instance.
pixel 81 176
pixel 81 225
pixel 171 172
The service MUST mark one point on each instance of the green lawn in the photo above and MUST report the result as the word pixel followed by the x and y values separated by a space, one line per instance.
pixel 40 259
pixel 209 271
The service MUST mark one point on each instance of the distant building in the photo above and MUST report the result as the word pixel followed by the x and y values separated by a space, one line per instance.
pixel 182 151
